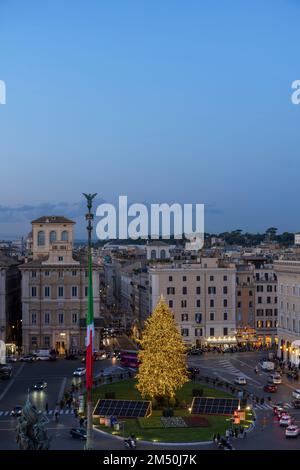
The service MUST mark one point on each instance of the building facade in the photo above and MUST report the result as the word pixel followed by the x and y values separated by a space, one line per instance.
pixel 55 291
pixel 202 297
pixel 288 274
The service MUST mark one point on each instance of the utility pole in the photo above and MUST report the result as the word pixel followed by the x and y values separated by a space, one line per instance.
pixel 90 326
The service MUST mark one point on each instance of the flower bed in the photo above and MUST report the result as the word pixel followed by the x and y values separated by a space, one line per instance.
pixel 196 422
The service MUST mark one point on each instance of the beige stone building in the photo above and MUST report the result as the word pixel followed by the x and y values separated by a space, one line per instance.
pixel 55 289
pixel 288 274
pixel 266 304
pixel 202 297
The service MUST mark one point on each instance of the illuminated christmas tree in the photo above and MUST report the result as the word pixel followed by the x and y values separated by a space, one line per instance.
pixel 163 358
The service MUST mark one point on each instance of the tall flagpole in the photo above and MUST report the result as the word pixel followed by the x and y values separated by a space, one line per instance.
pixel 90 327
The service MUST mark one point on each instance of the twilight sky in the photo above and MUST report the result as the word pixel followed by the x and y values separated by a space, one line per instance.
pixel 161 100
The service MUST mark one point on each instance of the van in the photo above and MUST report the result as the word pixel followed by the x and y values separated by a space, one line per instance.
pixel 267 365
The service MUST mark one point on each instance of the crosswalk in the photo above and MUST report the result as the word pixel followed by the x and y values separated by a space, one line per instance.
pixel 4 414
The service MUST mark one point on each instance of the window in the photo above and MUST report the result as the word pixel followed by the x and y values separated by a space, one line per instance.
pixel 33 274
pixel 198 303
pixel 211 278
pixel 74 273
pixel 294 325
pixel 47 318
pixel 74 317
pixel 211 290
pixel 269 288
pixel 184 291
pixel 259 300
pixel 74 291
pixel 41 238
pixel 225 303
pixel 269 312
pixel 268 324
pixel 60 274
pixel 268 300
pixel 225 316
pixel 259 312
pixel 34 341
pixel 275 312
pixel 170 278
pixel 47 291
pixel 224 278
pixel 184 317
pixel 250 293
pixel 153 254
pixel 60 291
pixel 171 290
pixel 65 236
pixel 183 304
pixel 47 342
pixel 239 304
pixel 171 303
pixel 198 317
pixel 198 278
pixel 250 304
pixel 85 291
pixel 52 236
pixel 47 273
pixel 163 254
pixel 225 331
pixel 86 273
pixel 33 318
pixel 239 293
pixel 212 303
pixel 60 258
pixel 259 288
pixel 60 318
pixel 185 332
pixel 211 332
pixel 33 291
pixel 259 324
pixel 198 290
pixel 225 290
pixel 211 316
pixel 184 278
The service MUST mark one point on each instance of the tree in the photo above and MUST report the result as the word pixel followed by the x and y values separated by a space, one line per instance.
pixel 162 355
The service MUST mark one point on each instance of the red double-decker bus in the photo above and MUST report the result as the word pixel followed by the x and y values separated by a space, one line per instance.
pixel 129 358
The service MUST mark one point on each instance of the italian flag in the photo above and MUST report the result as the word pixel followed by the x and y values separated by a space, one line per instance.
pixel 89 329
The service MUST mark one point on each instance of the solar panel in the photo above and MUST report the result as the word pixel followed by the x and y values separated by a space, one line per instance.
pixel 122 408
pixel 214 406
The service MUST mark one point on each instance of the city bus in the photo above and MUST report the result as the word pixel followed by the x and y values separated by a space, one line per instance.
pixel 129 358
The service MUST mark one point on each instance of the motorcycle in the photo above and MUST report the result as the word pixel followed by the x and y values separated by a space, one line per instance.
pixel 130 443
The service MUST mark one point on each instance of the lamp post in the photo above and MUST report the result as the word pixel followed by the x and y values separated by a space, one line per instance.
pixel 90 326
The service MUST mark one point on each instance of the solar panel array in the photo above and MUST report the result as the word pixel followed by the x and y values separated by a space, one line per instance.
pixel 215 406
pixel 122 408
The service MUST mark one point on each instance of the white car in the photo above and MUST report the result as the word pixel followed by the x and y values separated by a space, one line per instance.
pixel 240 381
pixel 42 358
pixel 79 372
pixel 275 379
pixel 292 431
pixel 285 420
pixel 296 393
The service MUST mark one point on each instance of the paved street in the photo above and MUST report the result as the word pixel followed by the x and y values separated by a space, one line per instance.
pixel 59 376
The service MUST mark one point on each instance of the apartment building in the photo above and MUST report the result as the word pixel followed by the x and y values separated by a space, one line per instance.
pixel 288 274
pixel 266 304
pixel 55 290
pixel 10 301
pixel 245 303
pixel 202 297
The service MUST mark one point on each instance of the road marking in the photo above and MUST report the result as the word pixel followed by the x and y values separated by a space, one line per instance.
pixel 12 381
pixel 62 389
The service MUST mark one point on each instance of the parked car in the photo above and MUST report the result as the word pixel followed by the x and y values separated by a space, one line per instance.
pixel 292 431
pixel 39 386
pixel 79 372
pixel 240 381
pixel 285 420
pixel 78 433
pixel 16 411
pixel 270 388
pixel 296 404
pixel 5 371
pixel 296 393
pixel 27 358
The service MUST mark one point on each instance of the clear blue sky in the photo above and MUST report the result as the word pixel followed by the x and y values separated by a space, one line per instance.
pixel 162 100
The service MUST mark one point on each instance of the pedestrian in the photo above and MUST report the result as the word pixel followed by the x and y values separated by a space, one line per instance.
pixel 218 437
pixel 76 412
pixel 62 404
pixel 56 414
pixel 81 421
pixel 47 408
pixel 236 433
pixel 214 438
